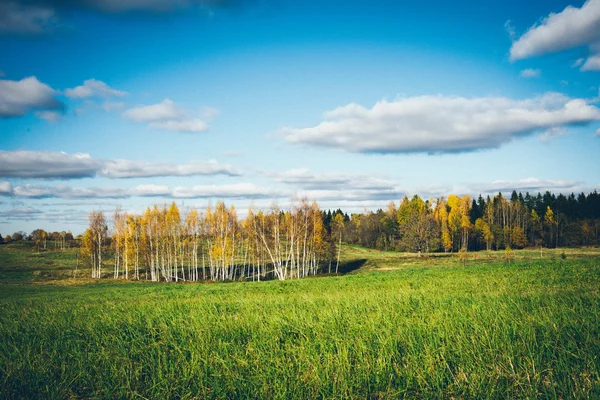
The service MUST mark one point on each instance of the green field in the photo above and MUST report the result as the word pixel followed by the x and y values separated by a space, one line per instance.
pixel 393 325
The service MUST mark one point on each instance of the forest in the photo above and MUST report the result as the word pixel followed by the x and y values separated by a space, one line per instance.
pixel 460 223
pixel 214 244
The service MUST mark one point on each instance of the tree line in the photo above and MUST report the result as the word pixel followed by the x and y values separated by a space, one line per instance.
pixel 167 244
pixel 42 239
pixel 460 223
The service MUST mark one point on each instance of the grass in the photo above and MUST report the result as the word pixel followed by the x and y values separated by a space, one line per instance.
pixel 396 326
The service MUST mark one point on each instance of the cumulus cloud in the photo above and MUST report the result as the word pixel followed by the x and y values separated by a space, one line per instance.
pixel 93 88
pixel 163 111
pixel 18 98
pixel 47 165
pixel 530 73
pixel 28 18
pixel 59 165
pixel 438 124
pixel 570 28
pixel 166 115
pixel 138 169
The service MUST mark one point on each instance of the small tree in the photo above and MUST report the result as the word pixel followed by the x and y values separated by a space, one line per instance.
pixel 93 242
pixel 337 229
pixel 508 254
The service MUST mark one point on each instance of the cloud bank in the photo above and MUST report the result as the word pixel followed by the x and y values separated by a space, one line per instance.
pixel 441 124
pixel 57 165
pixel 63 191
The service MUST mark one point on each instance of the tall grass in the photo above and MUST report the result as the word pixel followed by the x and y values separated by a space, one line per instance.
pixel 497 330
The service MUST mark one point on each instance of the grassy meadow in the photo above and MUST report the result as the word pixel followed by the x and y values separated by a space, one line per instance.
pixel 493 325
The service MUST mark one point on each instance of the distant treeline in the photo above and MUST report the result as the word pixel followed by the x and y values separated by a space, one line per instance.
pixel 43 239
pixel 455 223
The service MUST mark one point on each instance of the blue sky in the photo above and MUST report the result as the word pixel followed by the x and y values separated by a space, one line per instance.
pixel 351 103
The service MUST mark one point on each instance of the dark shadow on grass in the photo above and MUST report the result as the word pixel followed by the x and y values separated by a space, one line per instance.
pixel 351 266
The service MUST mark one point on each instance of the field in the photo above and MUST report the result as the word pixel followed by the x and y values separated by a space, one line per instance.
pixel 493 325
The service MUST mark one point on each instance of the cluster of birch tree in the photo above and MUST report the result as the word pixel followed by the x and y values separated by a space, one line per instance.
pixel 164 245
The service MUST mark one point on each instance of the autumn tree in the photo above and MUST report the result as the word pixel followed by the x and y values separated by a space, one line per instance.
pixel 418 228
pixel 93 241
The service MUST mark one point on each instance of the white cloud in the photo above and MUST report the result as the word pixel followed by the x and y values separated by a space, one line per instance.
pixel 530 73
pixel 18 18
pixel 331 186
pixel 93 88
pixel 527 185
pixel 163 111
pixel 17 98
pixel 188 125
pixel 152 190
pixel 5 188
pixel 305 179
pixel 597 133
pixel 592 63
pixel 392 193
pixel 58 165
pixel 166 115
pixel 20 214
pixel 47 165
pixel 137 169
pixel 572 27
pixel 235 191
pixel 438 124
pixel 65 191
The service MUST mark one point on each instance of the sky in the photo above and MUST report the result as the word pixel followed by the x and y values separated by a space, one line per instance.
pixel 351 103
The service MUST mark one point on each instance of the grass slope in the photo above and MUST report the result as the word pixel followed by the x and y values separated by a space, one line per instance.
pixel 398 326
